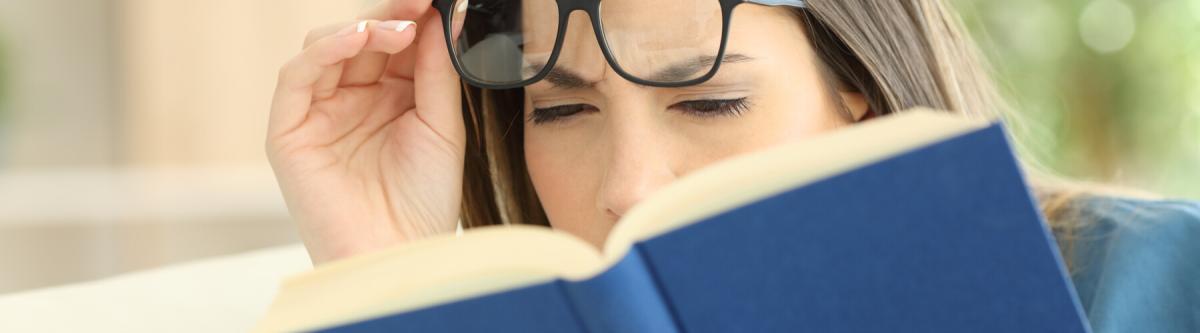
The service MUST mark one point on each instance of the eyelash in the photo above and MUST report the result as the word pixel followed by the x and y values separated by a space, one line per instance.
pixel 704 108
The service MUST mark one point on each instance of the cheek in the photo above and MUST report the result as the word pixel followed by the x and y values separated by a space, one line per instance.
pixel 564 172
pixel 798 112
pixel 784 109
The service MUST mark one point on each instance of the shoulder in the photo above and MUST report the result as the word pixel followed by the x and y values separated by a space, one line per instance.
pixel 1127 228
pixel 1136 263
pixel 1138 214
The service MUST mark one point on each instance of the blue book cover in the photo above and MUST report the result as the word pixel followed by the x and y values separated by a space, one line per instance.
pixel 943 237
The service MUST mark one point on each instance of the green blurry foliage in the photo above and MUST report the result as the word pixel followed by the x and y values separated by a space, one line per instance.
pixel 1111 87
pixel 4 79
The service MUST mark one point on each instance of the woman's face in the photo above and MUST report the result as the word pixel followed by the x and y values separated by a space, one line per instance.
pixel 597 144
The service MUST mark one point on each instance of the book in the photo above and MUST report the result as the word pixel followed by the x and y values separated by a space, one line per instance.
pixel 916 222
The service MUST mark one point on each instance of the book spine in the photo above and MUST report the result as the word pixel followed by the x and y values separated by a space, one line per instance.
pixel 622 299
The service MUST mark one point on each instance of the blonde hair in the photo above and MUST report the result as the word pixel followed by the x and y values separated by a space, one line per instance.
pixel 898 54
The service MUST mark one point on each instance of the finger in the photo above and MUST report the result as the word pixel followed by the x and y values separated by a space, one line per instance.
pixel 437 93
pixel 398 10
pixel 327 30
pixel 298 78
pixel 384 11
pixel 387 10
pixel 386 38
pixel 368 67
pixel 401 66
pixel 327 85
pixel 382 40
pixel 331 78
pixel 459 17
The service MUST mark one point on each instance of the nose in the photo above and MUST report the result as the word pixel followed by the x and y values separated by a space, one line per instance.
pixel 639 164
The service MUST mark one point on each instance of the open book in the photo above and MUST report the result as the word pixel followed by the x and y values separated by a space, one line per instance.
pixel 915 222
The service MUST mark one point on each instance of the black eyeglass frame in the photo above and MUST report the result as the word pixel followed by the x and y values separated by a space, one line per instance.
pixel 592 8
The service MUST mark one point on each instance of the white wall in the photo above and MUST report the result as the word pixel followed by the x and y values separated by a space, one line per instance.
pixel 63 84
pixel 135 132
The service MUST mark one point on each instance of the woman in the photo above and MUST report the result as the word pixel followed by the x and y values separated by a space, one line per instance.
pixel 376 139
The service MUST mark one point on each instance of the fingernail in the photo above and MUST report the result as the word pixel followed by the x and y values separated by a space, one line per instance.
pixel 354 29
pixel 395 25
pixel 462 6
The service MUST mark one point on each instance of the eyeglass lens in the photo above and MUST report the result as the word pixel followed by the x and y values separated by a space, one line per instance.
pixel 667 41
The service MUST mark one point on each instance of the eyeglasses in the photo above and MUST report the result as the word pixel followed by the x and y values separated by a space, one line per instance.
pixel 662 43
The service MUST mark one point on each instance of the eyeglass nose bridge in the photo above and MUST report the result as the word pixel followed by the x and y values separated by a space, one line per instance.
pixel 592 9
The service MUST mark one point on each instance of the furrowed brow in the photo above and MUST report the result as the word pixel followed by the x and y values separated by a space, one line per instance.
pixel 562 78
pixel 688 69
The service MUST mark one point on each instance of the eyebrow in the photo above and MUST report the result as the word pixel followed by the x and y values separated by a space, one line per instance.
pixel 566 79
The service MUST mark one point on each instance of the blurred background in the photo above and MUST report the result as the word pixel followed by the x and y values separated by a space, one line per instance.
pixel 1111 88
pixel 131 131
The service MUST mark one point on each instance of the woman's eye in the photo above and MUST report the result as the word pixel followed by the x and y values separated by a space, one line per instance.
pixel 699 108
pixel 714 107
pixel 554 113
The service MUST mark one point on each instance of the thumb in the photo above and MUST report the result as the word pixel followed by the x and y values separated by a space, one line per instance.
pixel 437 88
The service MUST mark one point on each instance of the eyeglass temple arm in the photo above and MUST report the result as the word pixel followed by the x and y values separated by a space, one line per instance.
pixel 789 3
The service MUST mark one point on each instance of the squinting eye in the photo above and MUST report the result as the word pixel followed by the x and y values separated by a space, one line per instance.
pixel 546 115
pixel 705 108
pixel 714 107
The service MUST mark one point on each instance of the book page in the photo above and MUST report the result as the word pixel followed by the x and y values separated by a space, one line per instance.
pixel 741 180
pixel 427 273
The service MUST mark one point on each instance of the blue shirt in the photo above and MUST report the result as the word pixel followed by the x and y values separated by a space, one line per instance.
pixel 1137 265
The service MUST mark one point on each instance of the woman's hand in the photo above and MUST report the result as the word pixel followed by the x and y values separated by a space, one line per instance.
pixel 366 135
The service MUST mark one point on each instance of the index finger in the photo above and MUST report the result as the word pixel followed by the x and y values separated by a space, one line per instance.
pixel 398 10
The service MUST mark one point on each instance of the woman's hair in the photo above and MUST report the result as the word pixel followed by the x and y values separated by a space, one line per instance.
pixel 898 54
